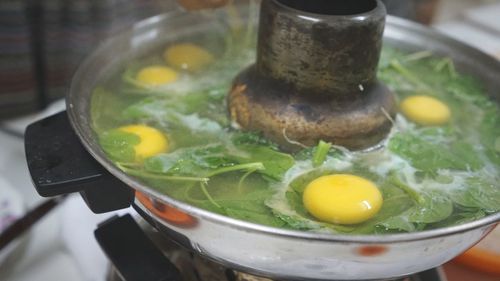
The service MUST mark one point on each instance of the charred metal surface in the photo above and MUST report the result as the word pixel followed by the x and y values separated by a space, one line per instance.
pixel 319 54
pixel 283 114
pixel 315 77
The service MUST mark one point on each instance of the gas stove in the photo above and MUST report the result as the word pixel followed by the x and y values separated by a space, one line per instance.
pixel 193 267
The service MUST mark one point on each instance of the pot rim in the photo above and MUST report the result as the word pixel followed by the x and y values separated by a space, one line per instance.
pixel 79 122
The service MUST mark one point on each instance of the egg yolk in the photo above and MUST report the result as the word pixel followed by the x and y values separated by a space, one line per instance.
pixel 425 110
pixel 156 75
pixel 152 141
pixel 342 199
pixel 188 56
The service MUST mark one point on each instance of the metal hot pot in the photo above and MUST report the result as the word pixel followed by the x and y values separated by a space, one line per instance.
pixel 64 156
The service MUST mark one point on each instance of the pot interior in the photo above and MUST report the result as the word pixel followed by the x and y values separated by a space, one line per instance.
pixel 229 35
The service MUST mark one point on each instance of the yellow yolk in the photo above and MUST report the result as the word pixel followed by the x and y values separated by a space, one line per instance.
pixel 425 110
pixel 188 57
pixel 152 141
pixel 156 75
pixel 342 199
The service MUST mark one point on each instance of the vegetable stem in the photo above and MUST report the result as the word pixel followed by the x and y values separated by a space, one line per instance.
pixel 496 145
pixel 189 197
pixel 406 73
pixel 396 181
pixel 450 66
pixel 234 19
pixel 203 186
pixel 451 69
pixel 250 30
pixel 321 152
pixel 242 179
pixel 418 56
pixel 249 166
pixel 143 174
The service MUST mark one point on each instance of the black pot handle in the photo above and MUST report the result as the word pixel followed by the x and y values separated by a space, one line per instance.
pixel 132 253
pixel 59 164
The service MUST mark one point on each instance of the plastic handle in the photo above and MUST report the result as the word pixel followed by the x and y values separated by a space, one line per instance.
pixel 132 253
pixel 59 164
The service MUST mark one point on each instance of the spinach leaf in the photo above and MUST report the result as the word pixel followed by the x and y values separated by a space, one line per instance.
pixel 490 133
pixel 468 89
pixel 217 158
pixel 394 180
pixel 228 197
pixel 162 163
pixel 275 163
pixel 207 104
pixel 421 154
pixel 242 138
pixel 251 208
pixel 305 153
pixel 436 207
pixel 196 161
pixel 459 218
pixel 430 157
pixel 396 202
pixel 105 109
pixel 478 193
pixel 295 222
pixel 119 145
pixel 467 154
pixel 399 223
pixel 295 201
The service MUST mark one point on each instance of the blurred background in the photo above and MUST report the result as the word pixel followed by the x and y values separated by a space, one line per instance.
pixel 42 42
pixel 41 45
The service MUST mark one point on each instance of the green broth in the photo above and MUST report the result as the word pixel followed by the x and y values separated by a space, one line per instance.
pixel 429 177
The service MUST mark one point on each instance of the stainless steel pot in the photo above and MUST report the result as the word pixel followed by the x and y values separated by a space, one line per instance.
pixel 280 253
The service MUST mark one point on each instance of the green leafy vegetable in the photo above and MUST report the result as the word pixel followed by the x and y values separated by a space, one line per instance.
pixel 189 161
pixel 215 159
pixel 415 195
pixel 430 157
pixel 275 163
pixel 490 133
pixel 105 110
pixel 398 223
pixel 478 193
pixel 429 176
pixel 459 218
pixel 246 138
pixel 391 215
pixel 119 145
pixel 320 153
pixel 436 207
pixel 148 175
